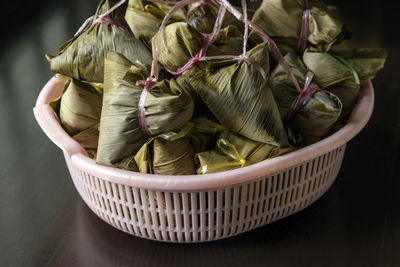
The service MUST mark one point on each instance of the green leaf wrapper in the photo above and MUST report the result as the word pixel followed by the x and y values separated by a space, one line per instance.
pixel 203 18
pixel 235 151
pixel 337 73
pixel 315 119
pixel 282 20
pixel 144 17
pixel 82 57
pixel 178 44
pixel 241 99
pixel 88 138
pixel 171 153
pixel 80 107
pixel 167 108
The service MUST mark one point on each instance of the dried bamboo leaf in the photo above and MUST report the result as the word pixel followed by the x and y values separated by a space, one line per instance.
pixel 128 163
pixel 205 134
pixel 229 41
pixel 347 95
pixel 170 153
pixel 328 70
pixel 204 125
pixel 240 98
pixel 88 138
pixel 200 109
pixel 144 17
pixel 167 108
pixel 235 151
pixel 203 18
pixel 181 42
pixel 212 162
pixel 80 107
pixel 282 20
pixel 173 157
pixel 251 151
pixel 82 57
pixel 365 61
pixel 342 72
pixel 178 44
pixel 315 119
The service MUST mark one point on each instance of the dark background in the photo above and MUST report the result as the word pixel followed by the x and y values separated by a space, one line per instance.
pixel 43 221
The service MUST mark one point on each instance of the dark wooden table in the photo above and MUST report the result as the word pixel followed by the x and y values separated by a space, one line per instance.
pixel 43 221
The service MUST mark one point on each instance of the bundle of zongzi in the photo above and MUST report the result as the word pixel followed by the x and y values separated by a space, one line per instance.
pixel 186 87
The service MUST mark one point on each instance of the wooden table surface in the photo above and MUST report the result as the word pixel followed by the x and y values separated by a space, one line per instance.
pixel 43 221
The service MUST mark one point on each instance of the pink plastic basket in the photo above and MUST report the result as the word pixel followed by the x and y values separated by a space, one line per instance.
pixel 197 208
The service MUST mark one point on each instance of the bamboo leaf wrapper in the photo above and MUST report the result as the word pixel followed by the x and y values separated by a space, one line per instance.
pixel 82 57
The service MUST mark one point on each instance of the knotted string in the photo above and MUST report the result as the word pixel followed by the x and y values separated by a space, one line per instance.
pixel 304 95
pixel 208 39
pixel 142 109
pixel 101 19
pixel 271 44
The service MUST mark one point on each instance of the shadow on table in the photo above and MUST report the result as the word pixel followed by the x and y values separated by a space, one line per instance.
pixel 88 241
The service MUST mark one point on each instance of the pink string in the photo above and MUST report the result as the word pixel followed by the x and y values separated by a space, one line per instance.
pixel 155 69
pixel 208 39
pixel 309 77
pixel 114 7
pixel 82 28
pixel 241 57
pixel 305 28
pixel 188 64
pixel 142 109
pixel 246 26
pixel 102 19
pixel 304 95
pixel 272 46
pixel 197 5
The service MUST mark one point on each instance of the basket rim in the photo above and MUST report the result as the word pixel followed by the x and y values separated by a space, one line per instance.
pixel 74 152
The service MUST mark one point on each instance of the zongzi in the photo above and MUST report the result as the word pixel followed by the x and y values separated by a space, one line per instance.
pixel 282 20
pixel 167 107
pixel 82 57
pixel 144 17
pixel 343 72
pixel 168 154
pixel 233 151
pixel 239 97
pixel 316 117
pixel 202 17
pixel 80 107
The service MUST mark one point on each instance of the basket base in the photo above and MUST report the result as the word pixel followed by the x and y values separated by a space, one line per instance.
pixel 199 216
